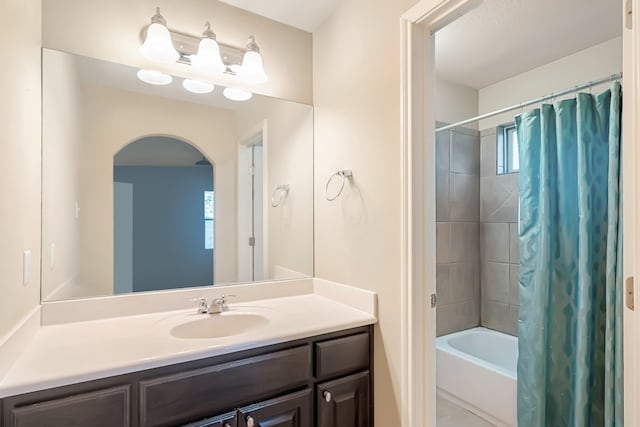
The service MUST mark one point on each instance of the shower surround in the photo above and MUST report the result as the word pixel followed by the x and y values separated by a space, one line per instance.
pixel 477 263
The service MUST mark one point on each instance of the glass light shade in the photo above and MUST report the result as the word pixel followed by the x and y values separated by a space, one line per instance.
pixel 208 60
pixel 157 45
pixel 237 94
pixel 154 77
pixel 197 86
pixel 252 70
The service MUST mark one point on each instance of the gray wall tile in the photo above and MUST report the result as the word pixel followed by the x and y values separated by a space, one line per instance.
pixel 495 242
pixel 465 197
pixel 442 150
pixel 457 317
pixel 495 282
pixel 514 244
pixel 465 154
pixel 465 241
pixel 462 280
pixel 514 286
pixel 497 316
pixel 443 242
pixel 499 198
pixel 442 195
pixel 443 289
pixel 488 155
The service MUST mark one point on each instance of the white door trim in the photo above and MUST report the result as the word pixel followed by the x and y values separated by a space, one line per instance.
pixel 418 372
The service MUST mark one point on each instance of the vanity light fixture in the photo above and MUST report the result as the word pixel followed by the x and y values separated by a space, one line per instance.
pixel 158 45
pixel 197 86
pixel 252 70
pixel 237 94
pixel 208 60
pixel 154 77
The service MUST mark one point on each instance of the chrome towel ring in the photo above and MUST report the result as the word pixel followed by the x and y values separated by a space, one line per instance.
pixel 279 195
pixel 344 174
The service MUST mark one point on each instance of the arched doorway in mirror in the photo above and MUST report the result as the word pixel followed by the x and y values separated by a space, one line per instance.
pixel 164 216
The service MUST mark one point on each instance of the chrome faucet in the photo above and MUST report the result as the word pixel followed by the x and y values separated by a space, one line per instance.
pixel 218 305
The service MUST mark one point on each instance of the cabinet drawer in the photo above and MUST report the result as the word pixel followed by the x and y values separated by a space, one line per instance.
pixel 195 394
pixel 342 355
pixel 102 408
pixel 226 420
pixel 292 410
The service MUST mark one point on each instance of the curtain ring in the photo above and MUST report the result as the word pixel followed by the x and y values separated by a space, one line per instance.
pixel 281 191
pixel 344 174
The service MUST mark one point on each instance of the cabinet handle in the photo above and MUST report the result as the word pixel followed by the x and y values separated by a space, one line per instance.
pixel 250 422
pixel 327 396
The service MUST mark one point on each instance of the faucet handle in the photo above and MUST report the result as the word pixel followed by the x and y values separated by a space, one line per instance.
pixel 221 302
pixel 203 306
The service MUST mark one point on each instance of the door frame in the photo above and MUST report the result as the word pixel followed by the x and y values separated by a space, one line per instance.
pixel 418 371
pixel 259 131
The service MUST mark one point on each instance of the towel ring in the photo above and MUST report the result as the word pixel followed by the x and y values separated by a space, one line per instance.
pixel 281 192
pixel 344 174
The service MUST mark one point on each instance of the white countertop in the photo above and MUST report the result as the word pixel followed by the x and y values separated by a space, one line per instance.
pixel 67 353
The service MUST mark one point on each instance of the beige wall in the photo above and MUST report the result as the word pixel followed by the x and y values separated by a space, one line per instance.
pixel 455 102
pixel 110 31
pixel 19 157
pixel 289 156
pixel 357 126
pixel 593 63
pixel 116 118
pixel 63 125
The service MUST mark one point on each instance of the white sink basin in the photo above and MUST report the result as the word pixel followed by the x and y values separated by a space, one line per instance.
pixel 219 325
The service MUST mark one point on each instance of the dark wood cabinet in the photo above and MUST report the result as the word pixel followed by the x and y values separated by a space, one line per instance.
pixel 102 408
pixel 344 402
pixel 168 400
pixel 281 385
pixel 292 410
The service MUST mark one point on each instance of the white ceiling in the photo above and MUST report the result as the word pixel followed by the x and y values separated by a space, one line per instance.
pixel 306 15
pixel 503 38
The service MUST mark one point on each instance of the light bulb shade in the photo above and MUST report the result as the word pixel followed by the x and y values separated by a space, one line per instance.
pixel 208 60
pixel 154 77
pixel 157 44
pixel 252 70
pixel 237 94
pixel 197 86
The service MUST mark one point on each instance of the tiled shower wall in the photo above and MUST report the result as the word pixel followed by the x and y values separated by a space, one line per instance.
pixel 457 230
pixel 499 241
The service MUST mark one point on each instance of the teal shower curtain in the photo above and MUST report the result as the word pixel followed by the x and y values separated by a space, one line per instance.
pixel 570 321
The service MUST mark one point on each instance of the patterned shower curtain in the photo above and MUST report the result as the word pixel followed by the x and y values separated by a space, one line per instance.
pixel 570 321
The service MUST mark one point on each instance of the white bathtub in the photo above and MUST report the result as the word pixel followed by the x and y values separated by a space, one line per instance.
pixel 476 369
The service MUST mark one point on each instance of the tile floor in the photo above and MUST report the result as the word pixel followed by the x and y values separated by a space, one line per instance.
pixel 451 415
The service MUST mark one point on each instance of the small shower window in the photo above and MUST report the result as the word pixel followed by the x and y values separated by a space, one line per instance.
pixel 507 160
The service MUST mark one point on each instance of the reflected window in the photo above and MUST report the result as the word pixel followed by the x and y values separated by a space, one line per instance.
pixel 208 219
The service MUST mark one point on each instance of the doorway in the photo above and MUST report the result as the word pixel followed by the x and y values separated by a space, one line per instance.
pixel 420 26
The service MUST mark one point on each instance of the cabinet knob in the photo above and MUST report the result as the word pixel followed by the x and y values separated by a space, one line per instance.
pixel 250 422
pixel 227 425
pixel 327 396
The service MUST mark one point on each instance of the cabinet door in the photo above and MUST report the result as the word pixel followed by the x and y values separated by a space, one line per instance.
pixel 344 402
pixel 227 420
pixel 103 408
pixel 292 410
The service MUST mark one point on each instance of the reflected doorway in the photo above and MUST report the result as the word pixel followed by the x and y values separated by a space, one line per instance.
pixel 164 216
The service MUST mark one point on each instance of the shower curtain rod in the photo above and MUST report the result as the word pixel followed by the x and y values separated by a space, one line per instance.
pixel 611 78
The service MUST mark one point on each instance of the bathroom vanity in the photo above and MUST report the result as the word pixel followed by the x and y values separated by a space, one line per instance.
pixel 323 380
pixel 303 359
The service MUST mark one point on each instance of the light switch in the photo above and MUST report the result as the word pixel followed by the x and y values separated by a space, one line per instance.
pixel 26 267
pixel 52 257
